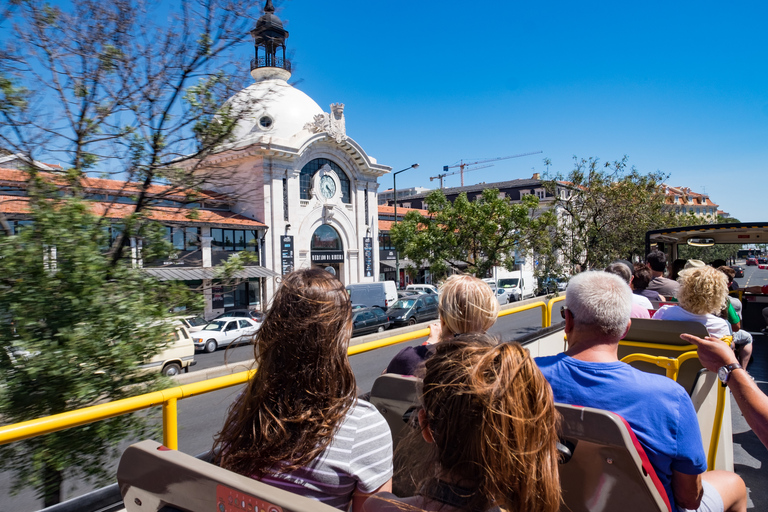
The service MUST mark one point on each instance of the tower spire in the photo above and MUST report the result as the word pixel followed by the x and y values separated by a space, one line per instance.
pixel 269 38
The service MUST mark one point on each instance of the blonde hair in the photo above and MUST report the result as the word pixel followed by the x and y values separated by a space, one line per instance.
pixel 467 305
pixel 702 290
pixel 493 420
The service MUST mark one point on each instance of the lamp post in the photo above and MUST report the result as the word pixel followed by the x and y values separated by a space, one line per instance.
pixel 397 255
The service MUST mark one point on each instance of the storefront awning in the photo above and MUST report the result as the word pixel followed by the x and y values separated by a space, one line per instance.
pixel 198 273
pixel 404 263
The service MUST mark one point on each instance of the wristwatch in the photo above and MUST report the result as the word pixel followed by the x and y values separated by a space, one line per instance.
pixel 724 372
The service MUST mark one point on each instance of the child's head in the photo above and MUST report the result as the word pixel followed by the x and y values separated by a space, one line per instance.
pixel 467 305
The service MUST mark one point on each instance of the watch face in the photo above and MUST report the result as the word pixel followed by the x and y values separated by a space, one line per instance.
pixel 327 187
pixel 722 374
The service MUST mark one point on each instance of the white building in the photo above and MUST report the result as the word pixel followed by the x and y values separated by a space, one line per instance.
pixel 294 168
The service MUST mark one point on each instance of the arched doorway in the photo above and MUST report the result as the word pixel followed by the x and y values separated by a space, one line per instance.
pixel 327 250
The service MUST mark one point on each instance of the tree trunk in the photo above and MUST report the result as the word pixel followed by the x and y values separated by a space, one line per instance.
pixel 52 485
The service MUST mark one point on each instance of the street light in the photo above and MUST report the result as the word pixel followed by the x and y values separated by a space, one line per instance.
pixel 397 255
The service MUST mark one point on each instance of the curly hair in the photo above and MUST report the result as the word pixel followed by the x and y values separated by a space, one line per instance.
pixel 702 290
pixel 467 305
pixel 304 386
pixel 492 417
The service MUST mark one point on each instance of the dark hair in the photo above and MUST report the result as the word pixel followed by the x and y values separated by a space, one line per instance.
pixel 657 260
pixel 304 386
pixel 728 271
pixel 676 267
pixel 491 414
pixel 641 277
pixel 718 263
pixel 620 269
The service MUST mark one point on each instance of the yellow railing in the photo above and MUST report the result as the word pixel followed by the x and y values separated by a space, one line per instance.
pixel 168 398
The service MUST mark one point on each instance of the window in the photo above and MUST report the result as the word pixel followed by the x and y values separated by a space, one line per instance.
pixel 325 238
pixel 244 324
pixel 309 170
pixel 540 194
pixel 233 240
pixel 231 326
pixel 182 238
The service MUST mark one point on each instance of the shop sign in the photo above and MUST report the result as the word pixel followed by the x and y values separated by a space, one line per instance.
pixel 368 256
pixel 327 256
pixel 286 253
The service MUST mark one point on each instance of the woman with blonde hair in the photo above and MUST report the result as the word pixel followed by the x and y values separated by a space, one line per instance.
pixel 490 422
pixel 467 305
pixel 703 294
pixel 298 425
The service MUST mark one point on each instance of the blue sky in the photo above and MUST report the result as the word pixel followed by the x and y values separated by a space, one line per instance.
pixel 680 87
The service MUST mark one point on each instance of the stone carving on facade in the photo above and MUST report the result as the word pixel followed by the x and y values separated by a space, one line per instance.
pixel 333 124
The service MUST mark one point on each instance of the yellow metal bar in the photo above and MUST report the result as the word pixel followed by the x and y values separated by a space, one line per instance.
pixel 526 307
pixel 393 340
pixel 671 366
pixel 550 306
pixel 658 346
pixel 171 424
pixel 716 427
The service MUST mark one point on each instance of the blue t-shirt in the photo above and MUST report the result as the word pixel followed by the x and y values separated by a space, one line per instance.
pixel 657 408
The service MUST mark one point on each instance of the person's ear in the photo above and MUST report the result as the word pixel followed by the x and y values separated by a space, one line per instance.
pixel 426 432
pixel 568 321
pixel 629 324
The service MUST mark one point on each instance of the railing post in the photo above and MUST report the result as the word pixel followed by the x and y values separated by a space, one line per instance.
pixel 171 424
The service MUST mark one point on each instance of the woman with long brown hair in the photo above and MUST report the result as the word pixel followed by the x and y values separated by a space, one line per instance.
pixel 490 422
pixel 298 424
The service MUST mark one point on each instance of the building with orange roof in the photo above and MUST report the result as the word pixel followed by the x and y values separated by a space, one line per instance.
pixel 684 200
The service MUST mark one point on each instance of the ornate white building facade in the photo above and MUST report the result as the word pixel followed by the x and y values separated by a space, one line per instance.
pixel 294 168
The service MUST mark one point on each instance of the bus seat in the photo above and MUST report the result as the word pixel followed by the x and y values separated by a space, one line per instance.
pixel 154 478
pixel 662 338
pixel 608 468
pixel 396 397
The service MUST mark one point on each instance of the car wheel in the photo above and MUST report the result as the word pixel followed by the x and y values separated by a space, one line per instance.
pixel 412 321
pixel 171 369
pixel 210 346
pixel 380 329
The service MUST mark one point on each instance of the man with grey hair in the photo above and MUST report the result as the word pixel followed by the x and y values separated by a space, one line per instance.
pixel 589 373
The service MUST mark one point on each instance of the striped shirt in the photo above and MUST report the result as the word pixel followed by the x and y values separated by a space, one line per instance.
pixel 358 458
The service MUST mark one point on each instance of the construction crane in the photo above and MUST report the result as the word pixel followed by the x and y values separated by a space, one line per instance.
pixel 462 165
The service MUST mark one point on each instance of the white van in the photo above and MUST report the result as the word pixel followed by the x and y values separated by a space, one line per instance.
pixel 178 355
pixel 521 285
pixel 381 294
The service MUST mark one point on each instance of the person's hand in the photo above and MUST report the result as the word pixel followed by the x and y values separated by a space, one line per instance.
pixel 713 353
pixel 435 330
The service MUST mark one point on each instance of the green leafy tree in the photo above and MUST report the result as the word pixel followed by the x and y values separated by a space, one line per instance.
pixel 471 236
pixel 130 89
pixel 74 330
pixel 605 211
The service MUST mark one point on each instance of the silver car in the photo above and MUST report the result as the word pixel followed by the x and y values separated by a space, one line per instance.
pixel 220 333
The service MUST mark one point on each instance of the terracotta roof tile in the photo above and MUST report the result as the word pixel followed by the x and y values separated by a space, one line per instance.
pixel 20 205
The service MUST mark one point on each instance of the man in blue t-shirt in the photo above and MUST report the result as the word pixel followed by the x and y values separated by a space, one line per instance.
pixel 589 373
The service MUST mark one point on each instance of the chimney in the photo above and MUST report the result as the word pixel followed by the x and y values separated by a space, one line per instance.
pixel 536 176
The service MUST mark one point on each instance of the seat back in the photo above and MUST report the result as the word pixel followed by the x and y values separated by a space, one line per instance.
pixel 662 338
pixel 396 396
pixel 608 468
pixel 153 478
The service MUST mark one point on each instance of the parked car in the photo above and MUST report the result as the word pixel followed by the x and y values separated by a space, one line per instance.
pixel 403 293
pixel 368 320
pixel 751 261
pixel 426 288
pixel 193 323
pixel 358 306
pixel 502 294
pixel 739 270
pixel 177 356
pixel 222 332
pixel 551 285
pixel 762 260
pixel 412 309
pixel 256 316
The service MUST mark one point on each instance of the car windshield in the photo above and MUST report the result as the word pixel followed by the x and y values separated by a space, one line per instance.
pixel 508 283
pixel 404 304
pixel 216 325
pixel 195 321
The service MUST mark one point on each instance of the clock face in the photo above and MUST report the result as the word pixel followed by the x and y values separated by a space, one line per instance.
pixel 327 186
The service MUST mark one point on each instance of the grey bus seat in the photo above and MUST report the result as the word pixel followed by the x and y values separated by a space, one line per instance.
pixel 608 469
pixel 154 478
pixel 396 397
pixel 654 333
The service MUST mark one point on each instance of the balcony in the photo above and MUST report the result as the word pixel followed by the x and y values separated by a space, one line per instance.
pixel 271 62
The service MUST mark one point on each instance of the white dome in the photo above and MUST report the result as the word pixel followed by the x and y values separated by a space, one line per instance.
pixel 277 110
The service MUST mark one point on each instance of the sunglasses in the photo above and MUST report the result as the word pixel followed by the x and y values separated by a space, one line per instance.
pixel 562 311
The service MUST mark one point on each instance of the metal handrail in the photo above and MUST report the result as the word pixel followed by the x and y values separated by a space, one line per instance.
pixel 168 398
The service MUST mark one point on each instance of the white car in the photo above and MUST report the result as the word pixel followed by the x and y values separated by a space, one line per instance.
pixel 222 332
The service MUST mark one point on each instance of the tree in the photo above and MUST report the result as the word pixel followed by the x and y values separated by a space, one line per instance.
pixel 605 212
pixel 73 332
pixel 471 236
pixel 121 88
